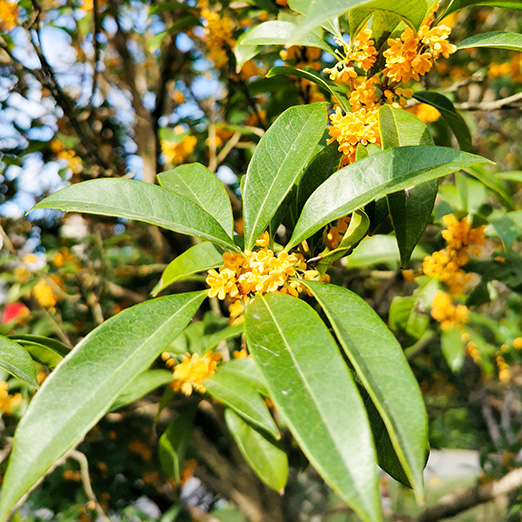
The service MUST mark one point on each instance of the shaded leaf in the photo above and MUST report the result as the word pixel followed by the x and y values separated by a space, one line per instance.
pixel 269 462
pixel 312 388
pixel 455 5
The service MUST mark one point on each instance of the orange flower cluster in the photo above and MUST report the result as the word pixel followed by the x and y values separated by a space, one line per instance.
pixel 69 156
pixel 259 271
pixel 446 264
pixel 425 112
pixel 218 35
pixel 178 152
pixel 44 294
pixel 504 373
pixel 446 313
pixel 336 232
pixel 8 15
pixel 409 56
pixel 193 370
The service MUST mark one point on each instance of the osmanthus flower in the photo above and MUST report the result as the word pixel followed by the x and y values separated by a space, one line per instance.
pixel 8 15
pixel 177 152
pixel 218 34
pixel 7 401
pixel 260 271
pixel 446 313
pixel 190 373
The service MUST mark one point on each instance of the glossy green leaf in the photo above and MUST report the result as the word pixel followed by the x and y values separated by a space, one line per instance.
pixel 380 364
pixel 413 13
pixel 15 360
pixel 199 258
pixel 140 201
pixel 403 317
pixel 43 349
pixel 493 183
pixel 515 175
pixel 278 161
pixel 196 183
pixel 311 386
pixel 276 32
pixel 309 74
pixel 363 181
pixel 87 383
pixel 174 442
pixel 269 462
pixel 410 209
pixel 495 40
pixel 143 384
pixel 56 346
pixel 234 391
pixel 363 151
pixel 450 115
pixel 455 5
pixel 207 341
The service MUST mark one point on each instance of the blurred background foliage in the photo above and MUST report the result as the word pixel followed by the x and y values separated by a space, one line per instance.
pixel 91 89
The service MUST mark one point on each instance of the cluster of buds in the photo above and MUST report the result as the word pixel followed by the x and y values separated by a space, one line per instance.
pixel 446 313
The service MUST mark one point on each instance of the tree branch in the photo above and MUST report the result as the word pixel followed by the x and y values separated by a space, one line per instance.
pixel 460 501
pixel 504 103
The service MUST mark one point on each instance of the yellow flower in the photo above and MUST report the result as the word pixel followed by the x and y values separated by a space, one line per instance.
pixel 361 126
pixel 73 161
pixel 7 401
pixel 44 294
pixel 63 257
pixel 446 313
pixel 425 112
pixel 8 15
pixel 178 152
pixel 193 370
pixel 504 373
pixel 336 233
pixel 218 36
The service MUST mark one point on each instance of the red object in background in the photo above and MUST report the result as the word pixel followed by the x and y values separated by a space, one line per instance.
pixel 13 312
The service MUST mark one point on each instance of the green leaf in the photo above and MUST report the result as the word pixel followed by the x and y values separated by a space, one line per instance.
pixel 410 209
pixel 384 372
pixel 493 183
pixel 379 249
pixel 452 347
pixel 42 349
pixel 321 11
pixel 56 346
pixel 269 462
pixel 244 53
pixel 278 160
pixel 140 201
pixel 507 227
pixel 450 115
pixel 87 382
pixel 210 341
pixel 495 40
pixel 309 74
pixel 143 384
pixel 196 183
pixel 403 317
pixel 276 32
pixel 15 360
pixel 363 181
pixel 515 175
pixel 413 13
pixel 233 390
pixel 311 386
pixel 247 370
pixel 198 258
pixel 455 5
pixel 174 442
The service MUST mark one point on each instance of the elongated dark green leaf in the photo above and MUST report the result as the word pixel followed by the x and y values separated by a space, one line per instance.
pixel 450 115
pixel 174 442
pixel 508 227
pixel 413 13
pixel 496 40
pixel 234 391
pixel 84 386
pixel 381 365
pixel 312 387
pixel 247 370
pixel 277 32
pixel 198 258
pixel 141 201
pixel 493 183
pixel 196 183
pixel 277 162
pixel 309 74
pixel 15 360
pixel 139 387
pixel 268 461
pixel 515 175
pixel 363 181
pixel 53 344
pixel 42 354
pixel 229 332
pixel 455 5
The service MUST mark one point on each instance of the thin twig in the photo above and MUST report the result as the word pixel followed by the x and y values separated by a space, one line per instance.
pixel 96 44
pixel 504 103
